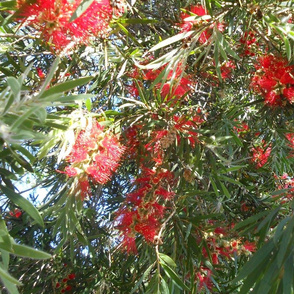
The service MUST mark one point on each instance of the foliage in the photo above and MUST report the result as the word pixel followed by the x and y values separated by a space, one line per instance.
pixel 146 146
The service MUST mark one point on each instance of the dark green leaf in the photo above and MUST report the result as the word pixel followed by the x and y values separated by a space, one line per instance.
pixel 24 204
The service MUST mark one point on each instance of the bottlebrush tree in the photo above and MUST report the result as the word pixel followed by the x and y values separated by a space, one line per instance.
pixel 147 146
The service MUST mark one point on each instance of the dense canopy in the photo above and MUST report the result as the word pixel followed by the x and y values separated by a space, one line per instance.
pixel 147 146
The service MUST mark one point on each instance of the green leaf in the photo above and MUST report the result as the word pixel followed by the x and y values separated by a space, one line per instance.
pixel 288 48
pixel 15 86
pixel 66 86
pixel 23 117
pixel 250 220
pixel 261 255
pixel 167 259
pixel 4 274
pixel 10 286
pixel 171 40
pixel 24 204
pixel 144 276
pixel 88 104
pixel 288 275
pixel 49 75
pixel 26 251
pixel 137 20
pixel 8 174
pixel 81 9
pixel 174 277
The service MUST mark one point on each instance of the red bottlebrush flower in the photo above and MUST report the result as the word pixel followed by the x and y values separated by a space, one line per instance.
pixel 52 19
pixel 198 10
pixel 98 175
pixel 260 155
pixel 289 94
pixel 40 73
pixel 287 77
pixel 64 280
pixel 126 218
pixel 148 229
pixel 16 213
pixel 71 171
pixel 113 148
pixel 249 246
pixel 267 83
pixel 57 285
pixel 270 79
pixel 249 41
pixel 71 276
pixel 100 152
pixel 273 99
pixel 204 279
pixel 164 193
pixel 187 24
pixel 242 129
pixel 188 127
pixel 244 207
pixel 84 187
pixel 290 138
pixel 226 69
pixel 129 243
pixel 158 209
pixel 220 230
pixel 68 288
pixel 143 211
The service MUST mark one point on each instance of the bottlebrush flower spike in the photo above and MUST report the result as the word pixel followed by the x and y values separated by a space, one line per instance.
pixel 274 80
pixel 260 155
pixel 188 24
pixel 176 85
pixel 94 156
pixel 144 208
pixel 52 19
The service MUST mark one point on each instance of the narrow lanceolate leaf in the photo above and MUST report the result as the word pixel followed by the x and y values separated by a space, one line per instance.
pixel 14 85
pixel 4 274
pixel 66 86
pixel 81 9
pixel 24 204
pixel 171 40
pixel 174 277
pixel 167 259
pixel 50 75
pixel 25 251
pixel 262 254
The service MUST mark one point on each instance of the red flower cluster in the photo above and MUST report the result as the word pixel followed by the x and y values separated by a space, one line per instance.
pixel 290 138
pixel 249 41
pixel 64 284
pixel 95 154
pixel 242 128
pixel 180 127
pixel 16 213
pixel 188 23
pixel 188 126
pixel 284 182
pixel 226 69
pixel 274 80
pixel 177 83
pixel 144 207
pixel 52 19
pixel 260 154
pixel 220 244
